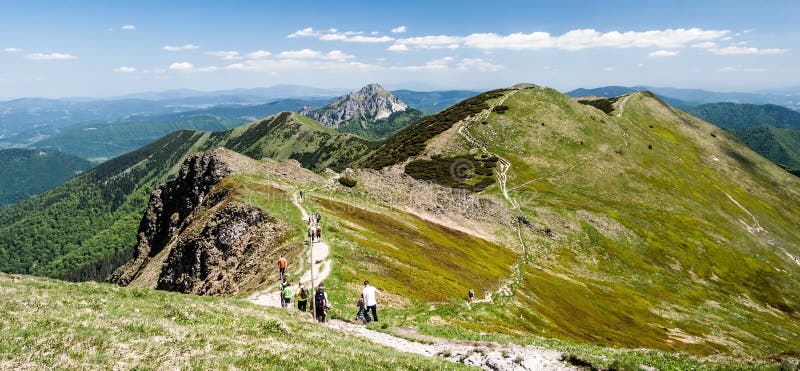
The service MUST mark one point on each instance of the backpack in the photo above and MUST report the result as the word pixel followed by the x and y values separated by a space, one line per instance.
pixel 319 300
pixel 303 294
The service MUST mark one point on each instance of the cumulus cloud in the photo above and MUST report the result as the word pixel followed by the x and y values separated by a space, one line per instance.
pixel 50 56
pixel 398 48
pixel 742 50
pixel 662 53
pixel 12 50
pixel 225 55
pixel 306 32
pixel 336 55
pixel 128 27
pixel 181 66
pixel 399 29
pixel 334 34
pixel 705 45
pixel 184 47
pixel 125 69
pixel 450 63
pixel 258 54
pixel 572 40
pixel 271 65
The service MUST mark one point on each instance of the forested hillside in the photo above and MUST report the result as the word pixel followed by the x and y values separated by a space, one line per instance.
pixel 28 172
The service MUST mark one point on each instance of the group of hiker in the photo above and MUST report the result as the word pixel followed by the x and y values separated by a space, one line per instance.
pixel 367 303
pixel 314 228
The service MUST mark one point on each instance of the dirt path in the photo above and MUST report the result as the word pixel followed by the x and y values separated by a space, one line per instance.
pixel 271 296
pixel 486 355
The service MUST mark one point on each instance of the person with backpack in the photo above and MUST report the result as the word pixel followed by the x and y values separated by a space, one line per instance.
pixel 362 314
pixel 287 295
pixel 302 298
pixel 319 233
pixel 319 217
pixel 370 295
pixel 471 295
pixel 282 266
pixel 284 284
pixel 321 304
pixel 311 232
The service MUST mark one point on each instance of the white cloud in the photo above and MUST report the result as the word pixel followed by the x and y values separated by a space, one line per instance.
pixel 12 50
pixel 184 47
pixel 128 27
pixel 368 39
pixel 338 55
pixel 272 65
pixel 306 32
pixel 332 37
pixel 188 67
pixel 181 66
pixel 399 29
pixel 125 69
pixel 50 56
pixel 705 45
pixel 429 42
pixel 662 53
pixel 742 50
pixel 740 69
pixel 300 54
pixel 225 55
pixel 258 54
pixel 398 48
pixel 572 40
pixel 608 69
pixel 478 64
pixel 436 64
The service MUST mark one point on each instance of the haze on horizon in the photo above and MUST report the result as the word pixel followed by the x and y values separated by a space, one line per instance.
pixel 53 49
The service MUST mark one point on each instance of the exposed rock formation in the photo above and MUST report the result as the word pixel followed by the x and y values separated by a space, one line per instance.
pixel 369 104
pixel 195 238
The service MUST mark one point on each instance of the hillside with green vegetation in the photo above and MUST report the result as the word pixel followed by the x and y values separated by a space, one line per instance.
pixel 431 102
pixel 28 172
pixel 651 215
pixel 780 145
pixel 741 116
pixel 103 326
pixel 86 228
pixel 381 128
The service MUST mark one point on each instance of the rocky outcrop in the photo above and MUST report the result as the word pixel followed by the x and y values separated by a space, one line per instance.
pixel 369 104
pixel 196 238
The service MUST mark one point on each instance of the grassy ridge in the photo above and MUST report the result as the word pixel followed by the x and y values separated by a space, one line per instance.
pixel 51 324
pixel 655 254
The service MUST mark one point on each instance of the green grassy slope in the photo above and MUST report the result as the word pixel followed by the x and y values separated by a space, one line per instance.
pixel 780 145
pixel 381 128
pixel 648 212
pixel 85 228
pixel 27 172
pixel 52 324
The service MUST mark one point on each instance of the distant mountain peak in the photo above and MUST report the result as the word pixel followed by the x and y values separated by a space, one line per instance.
pixel 370 103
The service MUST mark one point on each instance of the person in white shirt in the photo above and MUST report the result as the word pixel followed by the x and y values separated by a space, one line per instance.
pixel 370 295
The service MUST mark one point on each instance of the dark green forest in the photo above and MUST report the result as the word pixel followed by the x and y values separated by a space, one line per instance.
pixel 28 172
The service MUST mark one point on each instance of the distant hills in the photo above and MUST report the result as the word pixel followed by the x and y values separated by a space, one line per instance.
pixel 739 116
pixel 691 97
pixel 28 172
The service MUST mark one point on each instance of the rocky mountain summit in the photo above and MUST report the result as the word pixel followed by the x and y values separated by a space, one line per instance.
pixel 369 104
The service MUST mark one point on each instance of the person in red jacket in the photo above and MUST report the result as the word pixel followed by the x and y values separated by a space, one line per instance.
pixel 282 266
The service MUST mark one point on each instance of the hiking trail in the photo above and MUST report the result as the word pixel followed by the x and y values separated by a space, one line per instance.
pixel 271 296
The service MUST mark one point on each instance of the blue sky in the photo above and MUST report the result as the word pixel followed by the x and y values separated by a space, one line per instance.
pixel 82 48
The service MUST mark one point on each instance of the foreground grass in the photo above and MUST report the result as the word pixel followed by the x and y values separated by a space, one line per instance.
pixel 52 324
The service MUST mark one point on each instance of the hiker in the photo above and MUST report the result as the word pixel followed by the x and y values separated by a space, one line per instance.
pixel 319 218
pixel 287 295
pixel 319 233
pixel 370 295
pixel 311 233
pixel 362 314
pixel 282 266
pixel 321 304
pixel 471 295
pixel 284 284
pixel 301 194
pixel 302 298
